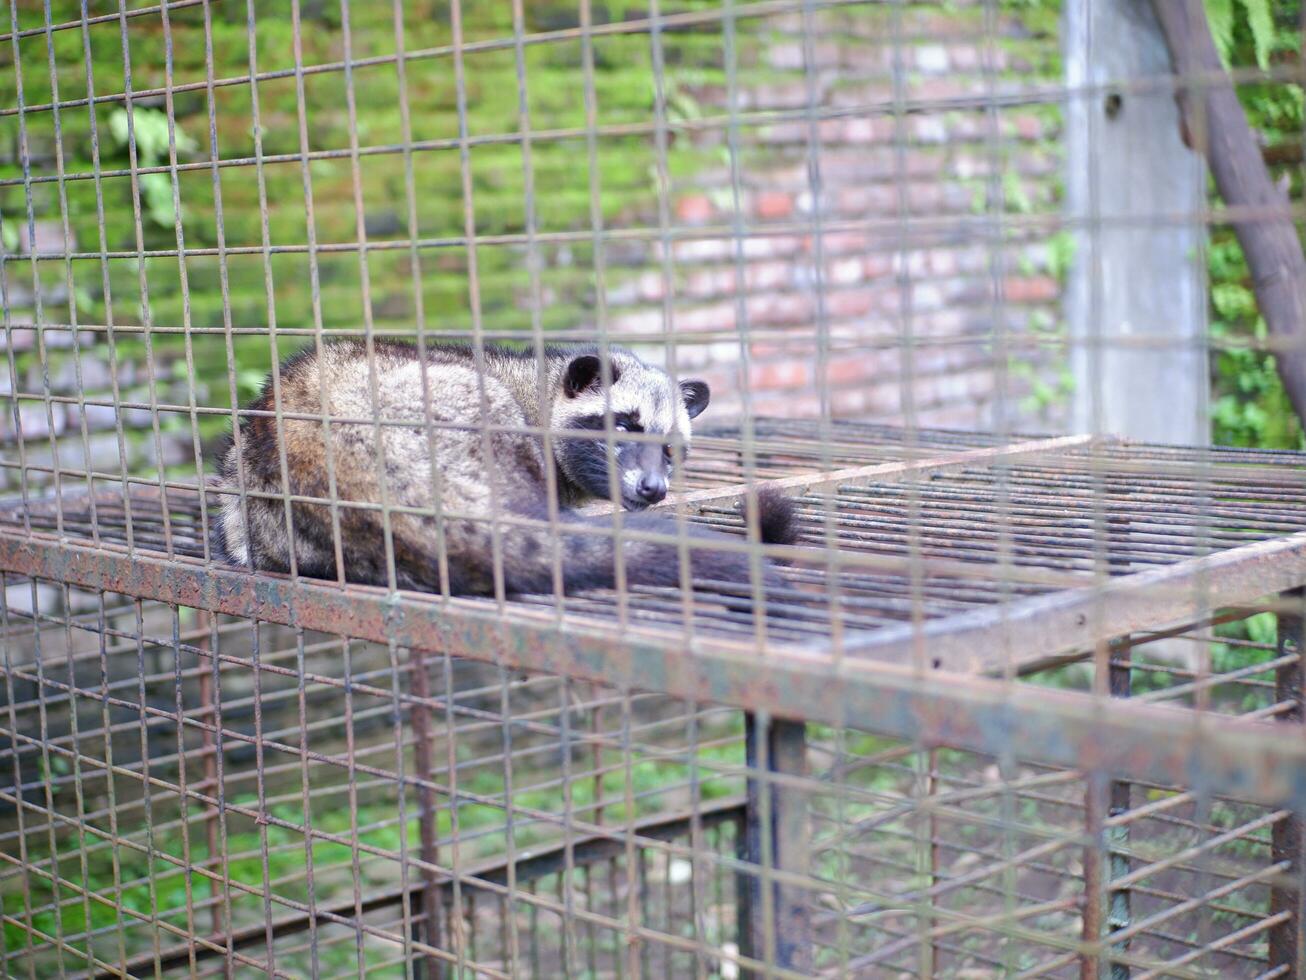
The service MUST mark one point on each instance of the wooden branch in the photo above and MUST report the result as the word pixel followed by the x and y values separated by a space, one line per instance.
pixel 1215 126
pixel 1283 154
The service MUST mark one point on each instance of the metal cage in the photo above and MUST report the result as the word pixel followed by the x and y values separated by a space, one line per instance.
pixel 1027 705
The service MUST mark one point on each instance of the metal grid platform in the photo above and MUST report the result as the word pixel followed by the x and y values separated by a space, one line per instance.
pixel 548 788
pixel 900 535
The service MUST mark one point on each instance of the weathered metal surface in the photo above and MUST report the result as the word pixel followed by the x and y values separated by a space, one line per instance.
pixel 1140 742
pixel 1041 631
pixel 862 476
pixel 1285 938
pixel 975 558
pixel 432 901
pixel 1106 858
pixel 777 837
pixel 960 538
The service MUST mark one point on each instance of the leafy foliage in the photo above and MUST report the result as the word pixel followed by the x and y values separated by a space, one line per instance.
pixel 148 129
pixel 1249 406
pixel 1257 15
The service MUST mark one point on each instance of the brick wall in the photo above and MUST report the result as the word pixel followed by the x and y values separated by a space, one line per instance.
pixel 867 232
pixel 867 169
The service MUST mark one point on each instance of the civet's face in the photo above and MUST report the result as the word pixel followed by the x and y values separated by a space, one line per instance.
pixel 644 401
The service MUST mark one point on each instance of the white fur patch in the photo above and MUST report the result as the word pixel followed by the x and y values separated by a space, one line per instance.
pixel 639 390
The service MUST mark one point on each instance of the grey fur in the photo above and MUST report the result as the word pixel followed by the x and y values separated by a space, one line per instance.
pixel 474 470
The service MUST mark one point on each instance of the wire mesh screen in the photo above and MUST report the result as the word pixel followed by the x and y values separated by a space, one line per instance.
pixel 650 489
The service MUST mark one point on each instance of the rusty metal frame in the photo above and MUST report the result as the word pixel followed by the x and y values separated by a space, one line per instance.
pixel 870 680
pixel 930 682
pixel 1042 631
pixel 923 683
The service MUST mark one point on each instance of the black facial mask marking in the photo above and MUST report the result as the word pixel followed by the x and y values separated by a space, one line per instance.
pixel 586 462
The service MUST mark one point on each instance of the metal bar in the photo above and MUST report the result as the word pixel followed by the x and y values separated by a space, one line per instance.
pixel 431 899
pixel 777 838
pixel 1250 760
pixel 1286 945
pixel 1106 857
pixel 856 476
pixel 1116 838
pixel 791 836
pixel 1094 889
pixel 746 905
pixel 208 746
pixel 1044 630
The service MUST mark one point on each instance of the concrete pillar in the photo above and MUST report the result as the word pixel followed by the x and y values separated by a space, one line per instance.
pixel 1136 300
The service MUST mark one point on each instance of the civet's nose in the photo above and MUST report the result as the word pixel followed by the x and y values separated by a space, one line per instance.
pixel 651 488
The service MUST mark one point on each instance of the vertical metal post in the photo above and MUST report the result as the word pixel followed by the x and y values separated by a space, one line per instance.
pixel 1091 931
pixel 1125 156
pixel 203 622
pixel 1106 858
pixel 1117 836
pixel 744 882
pixel 932 828
pixel 777 822
pixel 1286 945
pixel 420 685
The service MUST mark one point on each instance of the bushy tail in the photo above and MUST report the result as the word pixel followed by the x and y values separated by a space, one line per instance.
pixel 588 560
pixel 777 518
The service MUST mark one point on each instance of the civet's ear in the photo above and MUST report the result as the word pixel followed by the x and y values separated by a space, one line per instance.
pixel 583 373
pixel 696 395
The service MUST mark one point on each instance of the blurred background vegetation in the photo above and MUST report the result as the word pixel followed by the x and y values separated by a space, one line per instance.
pixel 1249 407
pixel 262 271
pixel 264 275
pixel 257 286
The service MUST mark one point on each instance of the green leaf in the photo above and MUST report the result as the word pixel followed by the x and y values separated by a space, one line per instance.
pixel 1233 300
pixel 1261 21
pixel 1061 254
pixel 149 129
pixel 1014 192
pixel 1263 628
pixel 1219 15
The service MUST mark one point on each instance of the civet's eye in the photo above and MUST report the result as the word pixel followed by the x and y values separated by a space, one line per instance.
pixel 621 427
pixel 668 453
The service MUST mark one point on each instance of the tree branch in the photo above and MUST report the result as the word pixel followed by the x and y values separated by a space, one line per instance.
pixel 1215 126
pixel 1283 154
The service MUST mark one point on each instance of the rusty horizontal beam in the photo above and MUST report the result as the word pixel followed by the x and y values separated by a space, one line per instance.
pixel 1041 631
pixel 1162 744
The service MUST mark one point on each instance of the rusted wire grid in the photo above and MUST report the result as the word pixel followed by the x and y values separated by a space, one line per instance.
pixel 272 771
pixel 778 446
pixel 1070 905
pixel 733 623
pixel 524 721
pixel 635 25
pixel 1164 537
pixel 363 679
pixel 844 338
pixel 717 456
